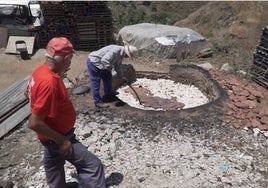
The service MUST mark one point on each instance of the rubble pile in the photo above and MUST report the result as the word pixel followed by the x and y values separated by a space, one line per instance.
pixel 144 153
pixel 248 104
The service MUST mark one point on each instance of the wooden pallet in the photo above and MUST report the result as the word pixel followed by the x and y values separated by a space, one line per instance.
pixel 83 20
pixel 259 68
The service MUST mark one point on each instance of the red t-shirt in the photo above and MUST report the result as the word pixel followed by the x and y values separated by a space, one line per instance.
pixel 49 98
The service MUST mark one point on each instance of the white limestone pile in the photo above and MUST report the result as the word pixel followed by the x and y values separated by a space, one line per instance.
pixel 190 95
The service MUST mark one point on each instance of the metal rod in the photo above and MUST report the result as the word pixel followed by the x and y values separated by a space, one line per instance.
pixel 135 93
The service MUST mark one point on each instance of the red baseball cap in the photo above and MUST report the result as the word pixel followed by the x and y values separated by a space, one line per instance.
pixel 59 46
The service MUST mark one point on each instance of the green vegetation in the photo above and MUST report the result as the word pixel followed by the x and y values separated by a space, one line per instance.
pixel 134 12
pixel 231 28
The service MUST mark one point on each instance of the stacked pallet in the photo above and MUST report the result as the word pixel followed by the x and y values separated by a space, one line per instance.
pixel 259 68
pixel 87 24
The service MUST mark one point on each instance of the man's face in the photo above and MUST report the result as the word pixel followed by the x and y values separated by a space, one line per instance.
pixel 67 63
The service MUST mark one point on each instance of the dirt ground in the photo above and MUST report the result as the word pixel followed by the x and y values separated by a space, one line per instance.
pixel 12 68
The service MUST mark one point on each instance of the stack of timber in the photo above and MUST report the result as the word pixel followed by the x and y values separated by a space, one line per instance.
pixel 259 68
pixel 14 107
pixel 87 24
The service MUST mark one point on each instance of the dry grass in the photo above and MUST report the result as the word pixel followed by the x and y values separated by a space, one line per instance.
pixel 232 28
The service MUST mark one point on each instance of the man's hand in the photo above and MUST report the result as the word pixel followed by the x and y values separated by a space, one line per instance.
pixel 37 123
pixel 66 148
pixel 125 81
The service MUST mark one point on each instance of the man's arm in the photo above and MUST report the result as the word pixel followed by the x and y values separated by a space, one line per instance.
pixel 37 124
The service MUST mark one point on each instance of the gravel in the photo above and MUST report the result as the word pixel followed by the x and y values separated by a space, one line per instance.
pixel 152 154
pixel 148 153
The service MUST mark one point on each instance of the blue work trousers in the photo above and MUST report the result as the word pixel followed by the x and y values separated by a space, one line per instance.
pixel 95 76
pixel 88 166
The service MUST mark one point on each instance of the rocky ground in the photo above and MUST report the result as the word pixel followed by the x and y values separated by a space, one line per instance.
pixel 146 151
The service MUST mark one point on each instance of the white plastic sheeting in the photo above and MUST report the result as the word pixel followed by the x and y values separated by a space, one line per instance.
pixel 163 40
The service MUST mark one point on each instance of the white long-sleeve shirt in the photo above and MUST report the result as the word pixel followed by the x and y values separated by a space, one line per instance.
pixel 108 57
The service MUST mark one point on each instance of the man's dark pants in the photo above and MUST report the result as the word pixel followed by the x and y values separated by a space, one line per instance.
pixel 89 167
pixel 95 76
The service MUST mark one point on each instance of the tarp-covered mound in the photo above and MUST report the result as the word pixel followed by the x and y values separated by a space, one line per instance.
pixel 163 40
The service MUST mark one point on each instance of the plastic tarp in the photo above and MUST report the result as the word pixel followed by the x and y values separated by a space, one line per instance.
pixel 163 40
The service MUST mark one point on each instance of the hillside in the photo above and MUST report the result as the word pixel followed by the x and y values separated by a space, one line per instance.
pixel 232 28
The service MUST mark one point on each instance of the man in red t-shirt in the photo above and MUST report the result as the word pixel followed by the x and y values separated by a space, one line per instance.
pixel 53 118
